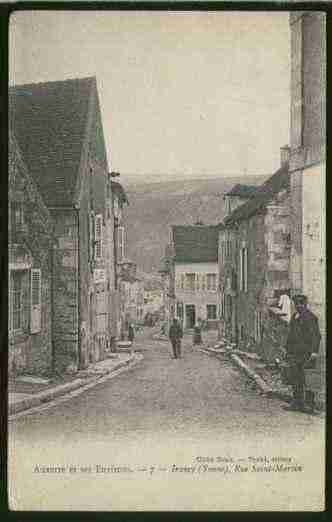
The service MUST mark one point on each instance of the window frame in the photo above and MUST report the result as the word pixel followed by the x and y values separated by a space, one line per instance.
pixel 243 279
pixel 98 236
pixel 192 280
pixel 211 287
pixel 210 307
pixel 23 309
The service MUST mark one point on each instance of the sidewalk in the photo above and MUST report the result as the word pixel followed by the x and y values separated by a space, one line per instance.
pixel 266 376
pixel 26 392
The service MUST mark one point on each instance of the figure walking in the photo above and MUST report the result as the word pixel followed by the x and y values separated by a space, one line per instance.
pixel 131 333
pixel 175 335
pixel 302 348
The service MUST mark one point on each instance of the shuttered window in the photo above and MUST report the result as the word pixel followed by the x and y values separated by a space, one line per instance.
pixel 121 242
pixel 35 300
pixel 211 312
pixel 211 281
pixel 98 235
pixel 258 326
pixel 17 300
pixel 243 280
pixel 190 281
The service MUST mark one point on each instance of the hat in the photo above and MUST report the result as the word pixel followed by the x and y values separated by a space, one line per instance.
pixel 300 299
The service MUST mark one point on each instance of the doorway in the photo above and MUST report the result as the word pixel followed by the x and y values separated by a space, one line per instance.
pixel 190 316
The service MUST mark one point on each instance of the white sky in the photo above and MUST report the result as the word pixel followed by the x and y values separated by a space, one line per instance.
pixel 182 94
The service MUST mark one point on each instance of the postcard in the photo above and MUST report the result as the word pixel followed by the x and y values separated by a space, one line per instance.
pixel 167 260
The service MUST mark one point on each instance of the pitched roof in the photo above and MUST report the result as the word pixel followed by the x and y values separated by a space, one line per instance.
pixel 263 195
pixel 242 191
pixel 195 243
pixel 21 176
pixel 50 124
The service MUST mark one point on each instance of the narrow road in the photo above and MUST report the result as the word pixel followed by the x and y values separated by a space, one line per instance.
pixel 161 416
pixel 197 395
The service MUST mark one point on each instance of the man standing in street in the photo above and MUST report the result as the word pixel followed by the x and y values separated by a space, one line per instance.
pixel 175 335
pixel 302 348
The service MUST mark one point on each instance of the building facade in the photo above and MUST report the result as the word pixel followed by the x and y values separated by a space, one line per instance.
pixel 65 151
pixel 131 292
pixel 31 243
pixel 308 162
pixel 195 274
pixel 168 291
pixel 254 257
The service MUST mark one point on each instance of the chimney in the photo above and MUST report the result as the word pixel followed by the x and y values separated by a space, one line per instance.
pixel 284 155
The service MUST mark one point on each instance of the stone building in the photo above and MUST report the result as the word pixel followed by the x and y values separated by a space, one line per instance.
pixel 308 160
pixel 119 199
pixel 64 150
pixel 131 291
pixel 254 255
pixel 31 242
pixel 166 271
pixel 195 274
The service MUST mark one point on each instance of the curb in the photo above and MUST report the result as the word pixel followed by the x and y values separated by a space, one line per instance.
pixel 62 389
pixel 260 383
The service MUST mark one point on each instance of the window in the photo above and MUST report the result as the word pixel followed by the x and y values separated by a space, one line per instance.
pixel 223 304
pixel 190 282
pixel 242 333
pixel 98 235
pixel 18 300
pixel 179 310
pixel 17 216
pixel 211 312
pixel 228 308
pixel 121 240
pixel 211 281
pixel 35 301
pixel 258 326
pixel 244 269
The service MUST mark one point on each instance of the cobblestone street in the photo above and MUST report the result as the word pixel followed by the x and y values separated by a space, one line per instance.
pixel 160 414
pixel 196 396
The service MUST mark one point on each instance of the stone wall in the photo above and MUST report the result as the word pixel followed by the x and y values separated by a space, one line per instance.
pixel 30 247
pixel 252 235
pixel 65 291
pixel 314 78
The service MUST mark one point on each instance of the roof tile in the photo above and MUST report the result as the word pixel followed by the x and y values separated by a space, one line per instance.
pixel 195 243
pixel 49 120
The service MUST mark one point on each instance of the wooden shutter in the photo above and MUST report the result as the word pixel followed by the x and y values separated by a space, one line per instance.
pixel 121 242
pixel 98 235
pixel 245 269
pixel 35 300
pixel 241 278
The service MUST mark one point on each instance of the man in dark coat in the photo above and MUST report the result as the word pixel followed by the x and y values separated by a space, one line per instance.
pixel 302 348
pixel 175 335
pixel 131 333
